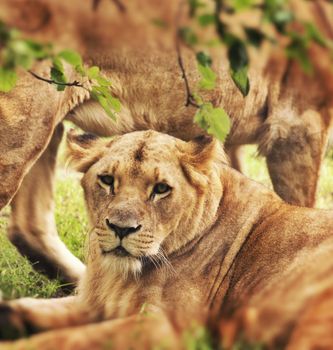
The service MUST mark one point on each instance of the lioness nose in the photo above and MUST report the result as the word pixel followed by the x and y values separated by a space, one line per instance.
pixel 122 232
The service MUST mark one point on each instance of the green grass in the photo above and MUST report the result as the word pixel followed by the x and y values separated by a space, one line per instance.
pixel 18 279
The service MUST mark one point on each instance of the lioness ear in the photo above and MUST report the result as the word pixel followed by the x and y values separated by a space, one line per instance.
pixel 197 157
pixel 83 150
pixel 201 151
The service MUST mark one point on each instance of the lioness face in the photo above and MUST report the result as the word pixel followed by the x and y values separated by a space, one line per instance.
pixel 140 196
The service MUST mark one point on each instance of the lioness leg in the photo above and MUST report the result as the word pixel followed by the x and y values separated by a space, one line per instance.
pixel 294 152
pixel 140 332
pixel 235 155
pixel 32 226
pixel 27 316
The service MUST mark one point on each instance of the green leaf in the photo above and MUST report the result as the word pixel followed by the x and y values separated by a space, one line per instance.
pixel 314 34
pixel 237 55
pixel 194 6
pixel 8 79
pixel 24 61
pixel 104 103
pixel 4 33
pixel 114 103
pixel 103 81
pixel 19 53
pixel 197 98
pixel 254 36
pixel 71 57
pixel 206 19
pixel 298 51
pixel 188 36
pixel 219 124
pixel 57 64
pixel 58 77
pixel 242 4
pixel 278 13
pixel 241 80
pixel 38 50
pixel 200 119
pixel 208 77
pixel 214 120
pixel 106 100
pixel 204 59
pixel 57 73
pixel 239 60
pixel 280 19
pixel 20 47
pixel 103 90
pixel 93 72
pixel 221 30
pixel 213 43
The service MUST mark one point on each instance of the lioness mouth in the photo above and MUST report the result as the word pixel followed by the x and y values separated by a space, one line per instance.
pixel 118 251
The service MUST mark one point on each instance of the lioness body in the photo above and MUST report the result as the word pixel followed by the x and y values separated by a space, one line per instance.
pixel 229 246
pixel 289 123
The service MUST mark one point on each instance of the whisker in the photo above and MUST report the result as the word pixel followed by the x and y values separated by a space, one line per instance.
pixel 152 259
pixel 164 258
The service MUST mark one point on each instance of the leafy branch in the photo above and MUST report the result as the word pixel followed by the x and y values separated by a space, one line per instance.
pixel 190 100
pixel 50 81
pixel 16 52
pixel 277 13
pixel 214 120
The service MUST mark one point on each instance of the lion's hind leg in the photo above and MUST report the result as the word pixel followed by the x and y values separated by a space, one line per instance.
pixel 294 148
pixel 32 226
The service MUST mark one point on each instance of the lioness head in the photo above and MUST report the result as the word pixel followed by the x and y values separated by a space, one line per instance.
pixel 148 194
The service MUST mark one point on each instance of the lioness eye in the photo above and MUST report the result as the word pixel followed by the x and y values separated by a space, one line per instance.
pixel 107 179
pixel 161 188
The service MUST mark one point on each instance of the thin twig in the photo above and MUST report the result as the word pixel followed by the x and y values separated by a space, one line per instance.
pixel 51 81
pixel 190 100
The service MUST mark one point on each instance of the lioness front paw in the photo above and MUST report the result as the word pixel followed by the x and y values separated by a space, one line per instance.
pixel 12 325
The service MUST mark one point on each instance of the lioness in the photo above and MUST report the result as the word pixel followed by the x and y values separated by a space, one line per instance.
pixel 289 122
pixel 180 237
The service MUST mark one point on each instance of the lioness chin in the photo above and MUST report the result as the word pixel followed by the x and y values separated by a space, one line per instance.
pixel 180 235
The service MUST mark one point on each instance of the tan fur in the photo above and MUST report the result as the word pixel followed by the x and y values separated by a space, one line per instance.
pixel 288 122
pixel 222 250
